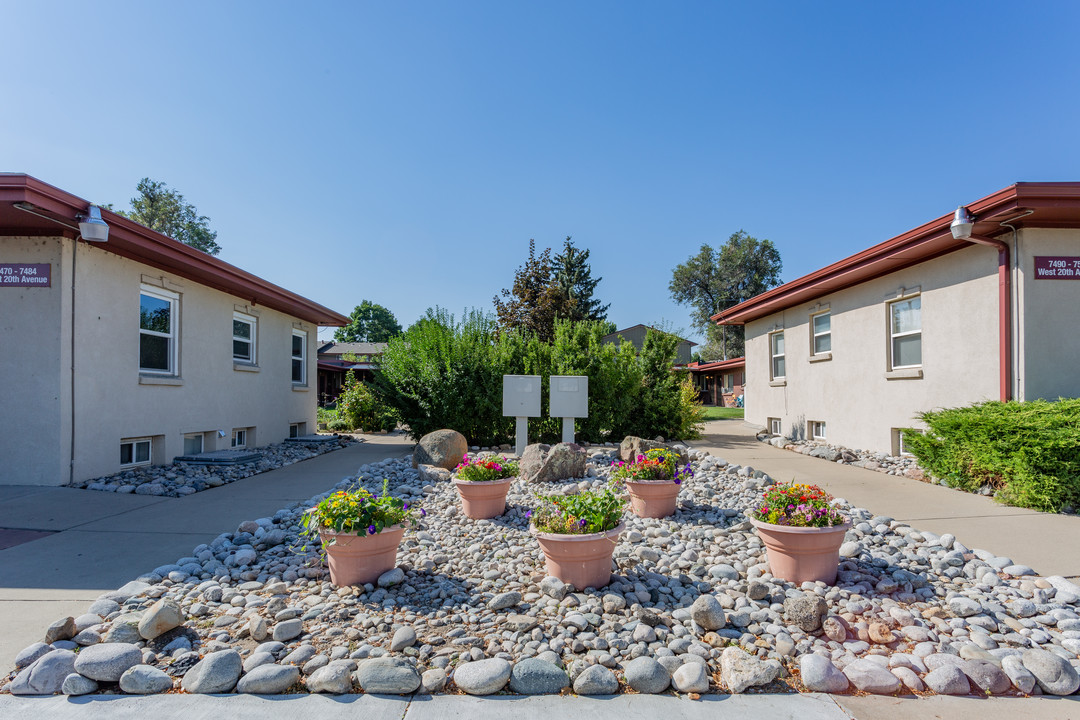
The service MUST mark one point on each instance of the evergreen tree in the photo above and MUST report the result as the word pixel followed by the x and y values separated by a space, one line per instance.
pixel 572 275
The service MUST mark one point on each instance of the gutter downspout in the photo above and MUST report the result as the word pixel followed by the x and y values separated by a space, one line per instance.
pixel 1004 312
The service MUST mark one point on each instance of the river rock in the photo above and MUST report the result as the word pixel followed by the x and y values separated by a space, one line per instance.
pixel 646 675
pixel 482 677
pixel 1053 673
pixel 806 611
pixel 740 670
pixel 948 680
pixel 388 676
pixel 162 616
pixel 596 680
pixel 76 684
pixel 708 613
pixel 335 678
pixel 691 677
pixel 63 629
pixel 46 675
pixel 987 676
pixel 536 677
pixel 545 463
pixel 107 662
pixel 145 680
pixel 820 675
pixel 215 673
pixel 442 448
pixel 871 677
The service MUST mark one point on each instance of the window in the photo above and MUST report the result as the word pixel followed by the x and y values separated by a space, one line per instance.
pixel 729 382
pixel 299 352
pixel 243 338
pixel 821 330
pixel 296 430
pixel 898 443
pixel 776 344
pixel 134 451
pixel 193 443
pixel 905 333
pixel 157 331
pixel 817 430
pixel 774 426
pixel 239 439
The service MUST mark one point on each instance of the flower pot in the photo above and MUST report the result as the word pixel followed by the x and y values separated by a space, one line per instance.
pixel 802 554
pixel 358 559
pixel 483 499
pixel 582 560
pixel 655 499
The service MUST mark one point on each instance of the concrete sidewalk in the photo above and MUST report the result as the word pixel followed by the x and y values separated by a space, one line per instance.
pixel 1043 541
pixel 102 540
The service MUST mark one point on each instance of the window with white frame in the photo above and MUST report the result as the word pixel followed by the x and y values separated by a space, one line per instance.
pixel 193 443
pixel 729 382
pixel 899 443
pixel 239 438
pixel 135 451
pixel 296 430
pixel 299 353
pixel 905 333
pixel 157 330
pixel 776 348
pixel 817 430
pixel 243 338
pixel 821 331
pixel 774 426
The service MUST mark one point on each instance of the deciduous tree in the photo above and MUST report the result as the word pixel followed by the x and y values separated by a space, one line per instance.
pixel 163 209
pixel 370 322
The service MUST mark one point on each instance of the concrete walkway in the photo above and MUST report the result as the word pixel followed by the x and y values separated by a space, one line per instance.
pixel 1043 541
pixel 102 540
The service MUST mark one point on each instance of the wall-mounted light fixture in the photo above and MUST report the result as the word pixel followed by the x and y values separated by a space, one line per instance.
pixel 962 224
pixel 92 227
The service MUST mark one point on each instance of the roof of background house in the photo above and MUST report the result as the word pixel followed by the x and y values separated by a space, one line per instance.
pixel 614 335
pixel 357 348
pixel 729 364
pixel 1055 204
pixel 131 240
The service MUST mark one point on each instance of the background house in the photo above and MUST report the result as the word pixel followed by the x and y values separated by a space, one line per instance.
pixel 719 383
pixel 636 336
pixel 336 359
pixel 853 352
pixel 137 349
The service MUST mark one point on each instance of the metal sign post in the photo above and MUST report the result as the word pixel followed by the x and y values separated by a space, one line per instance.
pixel 569 400
pixel 521 400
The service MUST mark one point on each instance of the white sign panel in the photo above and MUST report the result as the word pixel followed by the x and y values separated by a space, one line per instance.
pixel 570 396
pixel 521 395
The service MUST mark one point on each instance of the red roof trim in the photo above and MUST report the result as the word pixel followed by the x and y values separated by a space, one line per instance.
pixel 730 364
pixel 1055 205
pixel 136 242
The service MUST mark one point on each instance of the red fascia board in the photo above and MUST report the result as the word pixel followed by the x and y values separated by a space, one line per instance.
pixel 731 364
pixel 129 239
pixel 923 243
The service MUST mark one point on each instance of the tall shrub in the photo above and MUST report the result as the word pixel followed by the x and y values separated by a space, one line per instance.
pixel 1028 451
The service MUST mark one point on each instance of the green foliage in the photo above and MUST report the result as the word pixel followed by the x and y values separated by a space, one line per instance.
pixel 658 464
pixel 370 322
pixel 1028 451
pixel 340 426
pixel 714 280
pixel 166 211
pixel 797 505
pixel 358 511
pixel 447 374
pixel 721 413
pixel 591 511
pixel 485 469
pixel 359 406
pixel 572 275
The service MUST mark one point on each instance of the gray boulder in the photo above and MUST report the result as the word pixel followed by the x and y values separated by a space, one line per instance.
pixel 31 653
pixel 632 446
pixel 388 676
pixel 335 678
pixel 442 448
pixel 268 679
pixel 948 680
pixel 536 677
pixel 505 600
pixel 807 611
pixel 403 638
pixel 870 677
pixel 145 680
pixel 162 616
pixel 431 475
pixel 286 630
pixel 482 677
pixel 708 613
pixel 596 680
pixel 646 675
pixel 76 684
pixel 106 663
pixel 820 675
pixel 691 677
pixel 123 632
pixel 433 680
pixel 1053 673
pixel 739 670
pixel 215 673
pixel 544 463
pixel 46 675
pixel 63 629
pixel 987 676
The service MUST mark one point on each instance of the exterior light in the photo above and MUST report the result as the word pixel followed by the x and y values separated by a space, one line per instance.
pixel 92 227
pixel 962 224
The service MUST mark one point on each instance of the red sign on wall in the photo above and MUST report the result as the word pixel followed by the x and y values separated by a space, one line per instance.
pixel 25 275
pixel 1057 268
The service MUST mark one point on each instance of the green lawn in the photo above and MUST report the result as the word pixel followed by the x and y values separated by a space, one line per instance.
pixel 722 413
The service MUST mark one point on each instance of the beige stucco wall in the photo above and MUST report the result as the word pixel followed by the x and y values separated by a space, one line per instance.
pixel 850 392
pixel 1048 321
pixel 34 350
pixel 113 400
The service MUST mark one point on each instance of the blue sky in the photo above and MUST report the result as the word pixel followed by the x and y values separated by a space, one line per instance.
pixel 406 152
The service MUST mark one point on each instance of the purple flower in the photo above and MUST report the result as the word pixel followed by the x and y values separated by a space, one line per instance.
pixel 528 513
pixel 371 529
pixel 406 506
pixel 583 522
pixel 678 481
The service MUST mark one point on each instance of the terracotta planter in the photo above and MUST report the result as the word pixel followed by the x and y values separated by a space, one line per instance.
pixel 802 554
pixel 655 499
pixel 358 559
pixel 483 499
pixel 582 560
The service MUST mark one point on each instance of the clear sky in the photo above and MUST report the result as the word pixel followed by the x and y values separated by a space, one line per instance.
pixel 405 152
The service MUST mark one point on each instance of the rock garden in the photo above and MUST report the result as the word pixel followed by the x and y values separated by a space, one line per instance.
pixel 468 605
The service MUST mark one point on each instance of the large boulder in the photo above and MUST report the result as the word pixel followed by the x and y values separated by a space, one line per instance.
pixel 442 448
pixel 542 463
pixel 632 446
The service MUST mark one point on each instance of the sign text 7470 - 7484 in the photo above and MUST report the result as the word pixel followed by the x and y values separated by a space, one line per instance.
pixel 25 275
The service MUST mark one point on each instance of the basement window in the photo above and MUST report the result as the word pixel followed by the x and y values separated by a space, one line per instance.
pixel 135 452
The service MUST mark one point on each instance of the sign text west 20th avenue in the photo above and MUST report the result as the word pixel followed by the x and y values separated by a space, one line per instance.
pixel 25 275
pixel 1057 268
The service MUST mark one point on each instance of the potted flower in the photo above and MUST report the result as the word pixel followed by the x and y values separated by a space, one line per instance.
pixel 653 481
pixel 802 531
pixel 483 483
pixel 578 534
pixel 360 533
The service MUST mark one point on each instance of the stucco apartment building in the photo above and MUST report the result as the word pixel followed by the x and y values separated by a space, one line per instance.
pixel 635 335
pixel 133 349
pixel 982 304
